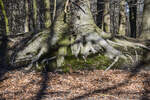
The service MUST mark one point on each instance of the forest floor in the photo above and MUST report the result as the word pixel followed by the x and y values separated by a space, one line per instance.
pixel 79 85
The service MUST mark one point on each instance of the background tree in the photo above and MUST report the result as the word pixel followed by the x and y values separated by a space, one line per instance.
pixel 146 21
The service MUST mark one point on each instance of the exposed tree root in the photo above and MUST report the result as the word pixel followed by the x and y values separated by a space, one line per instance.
pixel 86 39
pixel 115 61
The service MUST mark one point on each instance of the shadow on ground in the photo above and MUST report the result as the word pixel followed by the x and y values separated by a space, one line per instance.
pixel 134 71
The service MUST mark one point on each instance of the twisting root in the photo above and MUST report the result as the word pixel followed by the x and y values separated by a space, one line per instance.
pixel 137 58
pixel 116 43
pixel 130 58
pixel 116 60
pixel 46 60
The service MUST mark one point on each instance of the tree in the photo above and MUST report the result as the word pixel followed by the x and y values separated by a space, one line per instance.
pixel 73 29
pixel 139 17
pixel 146 21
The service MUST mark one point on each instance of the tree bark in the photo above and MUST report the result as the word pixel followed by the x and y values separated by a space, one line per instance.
pixel 106 16
pixel 26 25
pixel 122 26
pixel 139 17
pixel 114 16
pixel 146 21
pixel 89 36
pixel 93 7
pixel 47 14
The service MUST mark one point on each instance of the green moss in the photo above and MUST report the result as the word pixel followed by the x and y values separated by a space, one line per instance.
pixel 93 62
pixel 96 61
pixel 64 42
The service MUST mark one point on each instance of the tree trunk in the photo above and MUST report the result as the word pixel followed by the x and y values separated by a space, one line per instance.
pixel 26 25
pixel 128 23
pixel 133 10
pixel 122 26
pixel 139 17
pixel 146 21
pixel 47 14
pixel 114 16
pixel 3 11
pixel 93 7
pixel 106 16
pixel 89 36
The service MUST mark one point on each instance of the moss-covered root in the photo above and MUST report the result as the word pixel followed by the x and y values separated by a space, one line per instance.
pixel 62 51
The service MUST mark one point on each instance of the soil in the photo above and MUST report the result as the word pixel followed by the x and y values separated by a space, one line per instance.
pixel 79 85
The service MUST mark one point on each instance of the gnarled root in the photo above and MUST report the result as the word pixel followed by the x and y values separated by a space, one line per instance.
pixel 86 39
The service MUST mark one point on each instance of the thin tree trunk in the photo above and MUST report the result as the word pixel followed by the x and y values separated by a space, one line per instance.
pixel 35 14
pixel 5 17
pixel 26 25
pixel 133 8
pixel 114 16
pixel 93 7
pixel 139 17
pixel 122 26
pixel 128 23
pixel 100 8
pixel 47 14
pixel 106 16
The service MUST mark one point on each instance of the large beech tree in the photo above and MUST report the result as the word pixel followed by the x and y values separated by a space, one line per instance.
pixel 72 29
